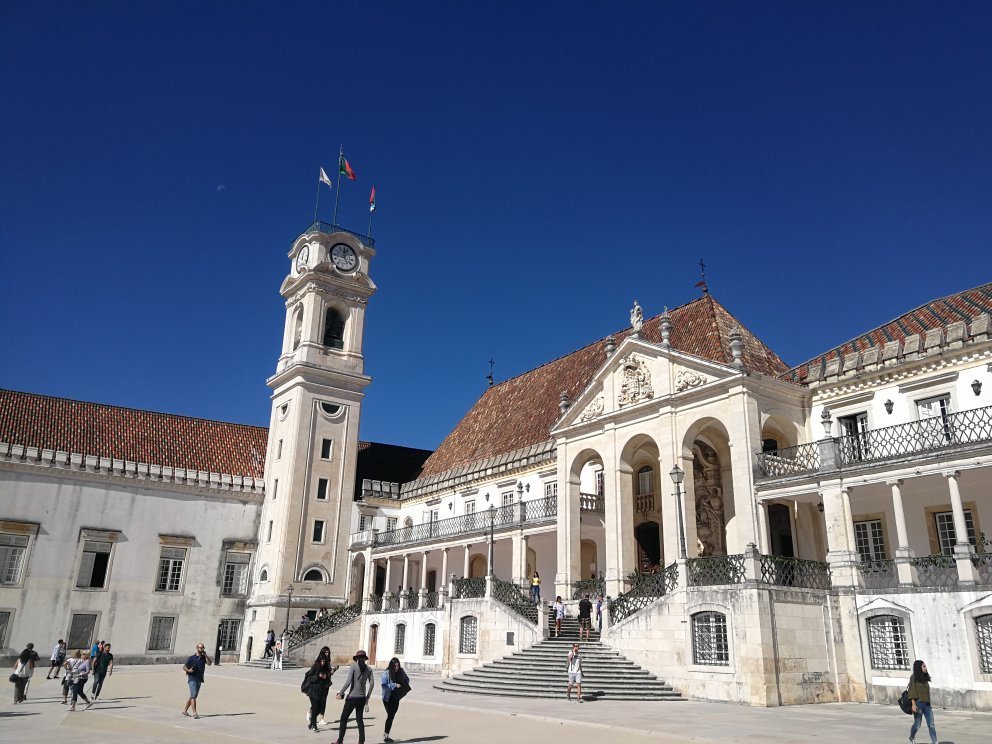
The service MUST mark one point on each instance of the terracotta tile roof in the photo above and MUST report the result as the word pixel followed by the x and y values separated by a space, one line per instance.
pixel 387 462
pixel 934 314
pixel 130 434
pixel 520 412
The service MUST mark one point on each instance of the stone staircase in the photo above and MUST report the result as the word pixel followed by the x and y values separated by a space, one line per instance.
pixel 540 672
pixel 267 663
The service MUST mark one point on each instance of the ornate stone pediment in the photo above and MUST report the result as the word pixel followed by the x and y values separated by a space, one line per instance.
pixel 594 409
pixel 634 380
pixel 688 378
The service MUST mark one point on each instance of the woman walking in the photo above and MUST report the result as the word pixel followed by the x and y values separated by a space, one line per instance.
pixel 919 693
pixel 320 685
pixel 356 692
pixel 395 686
pixel 80 675
pixel 23 666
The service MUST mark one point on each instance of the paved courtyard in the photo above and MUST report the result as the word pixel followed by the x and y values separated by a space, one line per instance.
pixel 142 703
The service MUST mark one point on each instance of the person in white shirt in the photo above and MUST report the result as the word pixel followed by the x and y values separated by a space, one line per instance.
pixel 558 610
pixel 575 672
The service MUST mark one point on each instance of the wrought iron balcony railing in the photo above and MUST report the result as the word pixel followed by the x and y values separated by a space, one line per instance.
pixel 468 588
pixel 936 570
pixel 645 591
pixel 328 228
pixel 513 598
pixel 592 587
pixel 715 570
pixel 324 624
pixel 803 458
pixel 529 512
pixel 797 572
pixel 879 573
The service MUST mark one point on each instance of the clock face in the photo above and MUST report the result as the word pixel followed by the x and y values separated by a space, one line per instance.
pixel 343 256
pixel 302 257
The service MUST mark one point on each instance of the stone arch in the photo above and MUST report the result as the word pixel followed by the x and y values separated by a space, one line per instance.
pixel 477 566
pixel 334 327
pixel 314 572
pixel 263 573
pixel 640 482
pixel 709 493
pixel 582 470
pixel 297 332
pixel 778 427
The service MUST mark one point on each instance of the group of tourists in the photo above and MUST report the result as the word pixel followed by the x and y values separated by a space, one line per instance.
pixel 97 661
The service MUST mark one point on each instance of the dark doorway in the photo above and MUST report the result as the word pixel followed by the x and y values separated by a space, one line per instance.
pixel 648 539
pixel 432 580
pixel 780 531
pixel 380 581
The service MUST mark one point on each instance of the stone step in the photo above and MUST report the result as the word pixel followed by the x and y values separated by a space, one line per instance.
pixel 558 691
pixel 267 664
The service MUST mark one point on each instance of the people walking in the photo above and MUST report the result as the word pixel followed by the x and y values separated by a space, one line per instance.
pixel 80 676
pixel 23 668
pixel 395 686
pixel 356 692
pixel 57 659
pixel 575 672
pixel 319 678
pixel 270 641
pixel 33 659
pixel 585 616
pixel 558 613
pixel 535 588
pixel 919 693
pixel 69 666
pixel 277 656
pixel 195 667
pixel 599 613
pixel 102 668
pixel 324 655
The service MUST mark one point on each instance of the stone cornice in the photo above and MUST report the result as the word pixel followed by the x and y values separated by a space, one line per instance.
pixel 92 467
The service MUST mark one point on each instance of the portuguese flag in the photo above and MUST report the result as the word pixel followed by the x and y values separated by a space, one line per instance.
pixel 345 169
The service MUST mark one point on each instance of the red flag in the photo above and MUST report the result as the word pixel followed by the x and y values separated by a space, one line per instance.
pixel 345 169
pixel 372 199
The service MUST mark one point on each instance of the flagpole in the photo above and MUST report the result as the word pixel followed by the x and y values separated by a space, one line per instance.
pixel 338 192
pixel 317 204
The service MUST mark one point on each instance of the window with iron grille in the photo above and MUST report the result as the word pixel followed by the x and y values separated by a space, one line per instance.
pixel 399 642
pixel 710 645
pixel 946 534
pixel 983 635
pixel 468 635
pixel 160 635
pixel 82 630
pixel 888 647
pixel 869 539
pixel 93 565
pixel 229 634
pixel 236 574
pixel 430 631
pixel 550 489
pixel 170 570
pixel 12 550
pixel 5 624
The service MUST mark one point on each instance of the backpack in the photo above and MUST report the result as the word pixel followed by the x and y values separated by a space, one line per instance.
pixel 905 703
pixel 305 687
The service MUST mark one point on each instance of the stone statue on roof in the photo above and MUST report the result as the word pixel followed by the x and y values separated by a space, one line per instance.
pixel 636 317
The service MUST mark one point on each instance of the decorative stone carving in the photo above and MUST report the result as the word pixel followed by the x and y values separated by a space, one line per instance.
pixel 687 378
pixel 636 317
pixel 635 380
pixel 594 409
pixel 708 493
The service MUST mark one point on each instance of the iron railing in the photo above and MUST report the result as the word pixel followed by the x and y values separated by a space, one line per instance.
pixel 468 588
pixel 325 624
pixel 803 458
pixel 796 572
pixel 375 603
pixel 983 566
pixel 879 573
pixel 513 598
pixel 327 227
pixel 715 570
pixel 936 570
pixel 539 509
pixel 432 600
pixel 645 592
pixel 592 587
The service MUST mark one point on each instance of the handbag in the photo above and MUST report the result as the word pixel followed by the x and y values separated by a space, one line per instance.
pixel 905 703
pixel 14 678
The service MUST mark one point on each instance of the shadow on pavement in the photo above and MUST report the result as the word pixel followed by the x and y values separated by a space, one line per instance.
pixel 16 714
pixel 425 738
pixel 226 715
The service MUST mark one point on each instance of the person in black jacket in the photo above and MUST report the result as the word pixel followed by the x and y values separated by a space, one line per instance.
pixel 320 684
pixel 395 686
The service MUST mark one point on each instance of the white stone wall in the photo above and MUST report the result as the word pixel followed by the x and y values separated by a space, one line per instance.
pixel 494 623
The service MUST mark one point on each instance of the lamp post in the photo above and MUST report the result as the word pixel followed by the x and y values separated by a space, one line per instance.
pixel 289 604
pixel 677 476
pixel 492 521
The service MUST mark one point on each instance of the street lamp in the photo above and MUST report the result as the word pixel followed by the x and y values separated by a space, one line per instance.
pixel 289 604
pixel 677 476
pixel 492 521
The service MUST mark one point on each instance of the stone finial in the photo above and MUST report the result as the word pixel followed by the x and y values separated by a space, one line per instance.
pixel 737 346
pixel 666 328
pixel 827 422
pixel 563 404
pixel 636 318
pixel 611 345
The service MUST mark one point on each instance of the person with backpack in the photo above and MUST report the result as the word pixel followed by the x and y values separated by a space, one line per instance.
pixel 316 684
pixel 919 694
pixel 395 686
pixel 356 692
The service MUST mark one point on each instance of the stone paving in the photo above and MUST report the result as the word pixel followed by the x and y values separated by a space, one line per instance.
pixel 254 705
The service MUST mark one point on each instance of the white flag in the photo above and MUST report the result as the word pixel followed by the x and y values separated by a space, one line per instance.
pixel 324 178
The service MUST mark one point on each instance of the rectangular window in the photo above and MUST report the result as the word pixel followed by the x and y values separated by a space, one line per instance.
pixel 390 524
pixel 645 481
pixel 93 565
pixel 551 489
pixel 5 616
pixel 318 530
pixel 322 489
pixel 710 645
pixel 170 570
pixel 279 450
pixel 869 539
pixel 600 483
pixel 161 633
pixel 946 534
pixel 82 630
pixel 236 574
pixel 887 644
pixel 854 429
pixel 325 449
pixel 275 489
pixel 507 498
pixel 229 634
pixel 12 551
pixel 268 535
pixel 468 636
pixel 470 507
pixel 364 522
pixel 400 643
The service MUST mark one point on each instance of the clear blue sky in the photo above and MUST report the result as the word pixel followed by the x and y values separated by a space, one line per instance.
pixel 538 166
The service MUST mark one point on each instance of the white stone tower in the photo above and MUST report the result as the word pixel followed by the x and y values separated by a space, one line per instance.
pixel 317 393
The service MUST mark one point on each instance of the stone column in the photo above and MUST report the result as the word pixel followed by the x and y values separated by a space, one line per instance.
pixel 903 553
pixel 405 601
pixel 468 551
pixel 763 545
pixel 387 590
pixel 423 580
pixel 569 526
pixel 843 560
pixel 962 548
pixel 443 583
pixel 369 588
pixel 516 570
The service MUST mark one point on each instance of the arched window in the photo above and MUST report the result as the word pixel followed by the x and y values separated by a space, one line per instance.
pixel 888 646
pixel 468 635
pixel 983 631
pixel 313 574
pixel 400 642
pixel 264 575
pixel 297 328
pixel 430 631
pixel 710 645
pixel 333 329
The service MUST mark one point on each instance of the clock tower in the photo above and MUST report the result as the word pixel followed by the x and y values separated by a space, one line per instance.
pixel 317 393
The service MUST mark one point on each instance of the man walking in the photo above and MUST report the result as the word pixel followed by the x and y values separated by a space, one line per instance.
pixel 585 616
pixel 270 641
pixel 356 692
pixel 599 613
pixel 194 668
pixel 102 668
pixel 575 672
pixel 57 659
pixel 33 655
